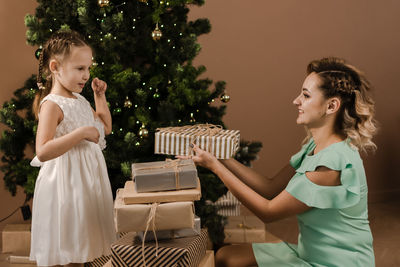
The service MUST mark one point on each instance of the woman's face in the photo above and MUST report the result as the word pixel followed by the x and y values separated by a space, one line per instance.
pixel 311 103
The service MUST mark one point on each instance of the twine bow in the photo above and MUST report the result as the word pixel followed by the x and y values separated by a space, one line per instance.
pixel 245 227
pixel 150 220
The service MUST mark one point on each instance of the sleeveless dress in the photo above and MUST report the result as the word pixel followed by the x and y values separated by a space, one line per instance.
pixel 335 232
pixel 72 216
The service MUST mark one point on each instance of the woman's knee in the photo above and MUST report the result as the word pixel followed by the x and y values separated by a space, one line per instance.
pixel 235 256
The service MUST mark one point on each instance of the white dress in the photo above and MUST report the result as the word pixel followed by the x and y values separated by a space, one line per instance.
pixel 72 216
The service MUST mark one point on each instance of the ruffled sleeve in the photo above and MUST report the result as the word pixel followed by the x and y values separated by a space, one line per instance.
pixel 342 196
pixel 296 159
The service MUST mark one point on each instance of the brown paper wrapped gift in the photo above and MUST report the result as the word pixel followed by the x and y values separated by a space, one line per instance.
pixel 244 229
pixel 208 259
pixel 181 252
pixel 130 196
pixel 16 239
pixel 138 217
pixel 164 175
pixel 168 234
pixel 223 144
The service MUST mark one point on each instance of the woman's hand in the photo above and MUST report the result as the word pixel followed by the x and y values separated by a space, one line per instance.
pixel 202 158
pixel 99 87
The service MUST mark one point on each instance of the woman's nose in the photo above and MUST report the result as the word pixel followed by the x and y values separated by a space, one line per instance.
pixel 296 101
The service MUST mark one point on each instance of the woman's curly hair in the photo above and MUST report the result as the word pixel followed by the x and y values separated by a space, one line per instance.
pixel 356 115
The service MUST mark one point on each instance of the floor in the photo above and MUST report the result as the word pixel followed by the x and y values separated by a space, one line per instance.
pixel 385 226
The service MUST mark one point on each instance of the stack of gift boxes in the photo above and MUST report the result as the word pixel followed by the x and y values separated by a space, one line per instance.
pixel 156 210
pixel 156 207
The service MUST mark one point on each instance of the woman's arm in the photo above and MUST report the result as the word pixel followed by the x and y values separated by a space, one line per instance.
pixel 265 186
pixel 281 206
pixel 47 147
pixel 102 111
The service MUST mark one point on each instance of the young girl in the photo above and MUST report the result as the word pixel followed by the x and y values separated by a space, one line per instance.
pixel 325 183
pixel 72 218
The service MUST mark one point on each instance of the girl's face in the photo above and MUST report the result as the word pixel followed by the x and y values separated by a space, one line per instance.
pixel 311 103
pixel 73 72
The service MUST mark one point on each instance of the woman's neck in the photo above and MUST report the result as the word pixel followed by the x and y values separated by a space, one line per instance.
pixel 324 137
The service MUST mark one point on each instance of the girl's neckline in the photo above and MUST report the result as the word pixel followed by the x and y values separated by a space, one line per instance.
pixel 311 154
pixel 75 97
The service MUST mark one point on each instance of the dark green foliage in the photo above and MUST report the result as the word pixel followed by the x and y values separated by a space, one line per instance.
pixel 151 84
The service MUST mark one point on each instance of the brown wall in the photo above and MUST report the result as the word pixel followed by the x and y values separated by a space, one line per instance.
pixel 260 48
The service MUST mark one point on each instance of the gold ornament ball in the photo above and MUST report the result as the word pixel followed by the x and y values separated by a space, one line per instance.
pixel 127 103
pixel 143 1
pixel 225 98
pixel 143 132
pixel 156 34
pixel 103 3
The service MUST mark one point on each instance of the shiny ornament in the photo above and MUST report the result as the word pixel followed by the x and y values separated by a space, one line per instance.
pixel 225 98
pixel 143 132
pixel 103 3
pixel 127 103
pixel 143 1
pixel 38 52
pixel 156 34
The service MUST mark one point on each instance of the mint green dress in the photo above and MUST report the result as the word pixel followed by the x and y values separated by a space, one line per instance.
pixel 335 232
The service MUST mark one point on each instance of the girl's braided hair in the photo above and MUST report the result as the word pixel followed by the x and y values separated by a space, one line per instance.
pixel 58 46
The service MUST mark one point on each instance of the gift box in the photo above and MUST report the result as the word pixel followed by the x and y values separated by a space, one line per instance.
pixel 157 216
pixel 16 239
pixel 228 205
pixel 168 234
pixel 244 229
pixel 187 251
pixel 130 196
pixel 164 175
pixel 99 262
pixel 208 259
pixel 223 144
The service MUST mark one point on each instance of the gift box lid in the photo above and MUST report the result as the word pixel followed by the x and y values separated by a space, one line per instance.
pixel 131 196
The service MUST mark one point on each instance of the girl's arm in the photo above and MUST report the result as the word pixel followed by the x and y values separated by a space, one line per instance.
pixel 47 147
pixel 102 111
pixel 265 186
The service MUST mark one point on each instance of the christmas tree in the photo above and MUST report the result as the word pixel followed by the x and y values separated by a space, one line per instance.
pixel 144 50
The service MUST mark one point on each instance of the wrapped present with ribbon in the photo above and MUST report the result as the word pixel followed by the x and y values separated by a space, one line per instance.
pixel 130 196
pixel 155 216
pixel 164 175
pixel 244 229
pixel 169 234
pixel 181 252
pixel 223 144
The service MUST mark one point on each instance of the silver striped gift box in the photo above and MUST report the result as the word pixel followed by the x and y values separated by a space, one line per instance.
pixel 223 144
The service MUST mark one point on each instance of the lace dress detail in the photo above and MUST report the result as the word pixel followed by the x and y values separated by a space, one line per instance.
pixel 72 218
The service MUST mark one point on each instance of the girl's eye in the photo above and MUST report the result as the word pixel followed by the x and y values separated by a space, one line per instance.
pixel 306 96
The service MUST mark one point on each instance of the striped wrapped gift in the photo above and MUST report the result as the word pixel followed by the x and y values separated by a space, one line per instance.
pixel 187 251
pixel 223 144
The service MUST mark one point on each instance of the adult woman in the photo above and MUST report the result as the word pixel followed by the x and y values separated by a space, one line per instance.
pixel 325 183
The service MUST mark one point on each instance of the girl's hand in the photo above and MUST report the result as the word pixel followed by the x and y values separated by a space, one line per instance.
pixel 91 134
pixel 99 87
pixel 202 158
